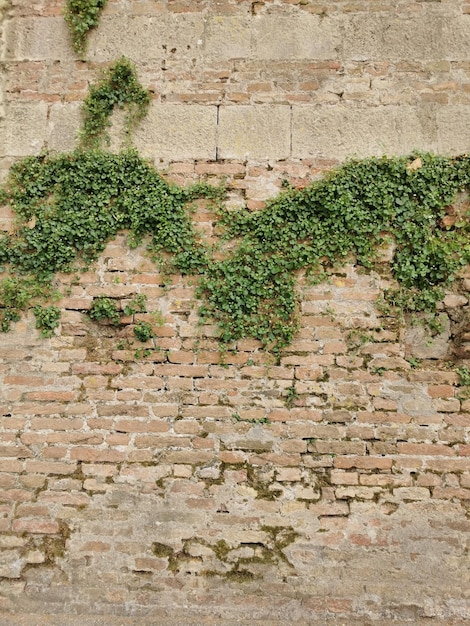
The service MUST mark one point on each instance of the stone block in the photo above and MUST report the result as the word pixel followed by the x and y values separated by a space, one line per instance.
pixel 453 129
pixel 296 37
pixel 176 132
pixel 145 38
pixel 35 39
pixel 227 37
pixel 64 123
pixel 342 131
pixel 255 132
pixel 26 131
pixel 420 37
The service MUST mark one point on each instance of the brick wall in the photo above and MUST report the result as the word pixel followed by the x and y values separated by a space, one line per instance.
pixel 180 488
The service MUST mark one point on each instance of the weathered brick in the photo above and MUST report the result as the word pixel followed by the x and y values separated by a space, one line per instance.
pixel 97 454
pixel 344 462
pixel 36 526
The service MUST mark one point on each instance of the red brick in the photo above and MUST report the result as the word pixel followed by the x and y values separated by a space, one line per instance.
pixel 97 455
pixel 36 526
pixel 141 426
pixel 365 462
pixel 50 467
pixel 47 396
pixel 425 449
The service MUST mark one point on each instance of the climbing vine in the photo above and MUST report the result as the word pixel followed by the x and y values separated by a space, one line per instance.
pixel 119 87
pixel 350 213
pixel 81 17
pixel 69 206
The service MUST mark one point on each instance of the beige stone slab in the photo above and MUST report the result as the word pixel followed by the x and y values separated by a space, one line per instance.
pixel 63 125
pixel 144 38
pixel 174 132
pixel 423 36
pixel 36 39
pixel 343 131
pixel 227 37
pixel 255 132
pixel 26 128
pixel 301 36
pixel 453 129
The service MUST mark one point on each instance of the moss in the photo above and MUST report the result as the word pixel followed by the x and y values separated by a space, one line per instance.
pixel 161 550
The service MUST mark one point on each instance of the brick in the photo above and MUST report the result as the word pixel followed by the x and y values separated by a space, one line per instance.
pixel 95 546
pixel 412 493
pixel 360 493
pixel 441 391
pixel 288 474
pixel 141 426
pixel 366 462
pixel 95 455
pixel 425 449
pixel 449 493
pixel 36 526
pixel 50 467
pixel 64 498
pixel 338 477
pixel 149 564
pixel 16 495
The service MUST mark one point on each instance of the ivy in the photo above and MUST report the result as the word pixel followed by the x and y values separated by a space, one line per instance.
pixel 69 206
pixel 47 319
pixel 119 86
pixel 80 201
pixel 82 16
pixel 348 214
pixel 104 309
pixel 143 331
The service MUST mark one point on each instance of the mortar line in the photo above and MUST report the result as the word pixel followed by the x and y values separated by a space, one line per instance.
pixel 217 133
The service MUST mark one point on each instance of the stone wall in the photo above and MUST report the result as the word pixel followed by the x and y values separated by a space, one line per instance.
pixel 330 486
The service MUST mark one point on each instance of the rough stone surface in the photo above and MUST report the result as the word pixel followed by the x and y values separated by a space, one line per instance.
pixel 176 132
pixel 254 132
pixel 422 344
pixel 63 126
pixel 343 131
pixel 26 128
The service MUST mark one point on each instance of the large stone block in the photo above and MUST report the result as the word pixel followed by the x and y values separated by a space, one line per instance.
pixel 26 129
pixel 255 132
pixel 296 37
pixel 63 126
pixel 175 132
pixel 146 38
pixel 35 39
pixel 341 131
pixel 425 36
pixel 227 37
